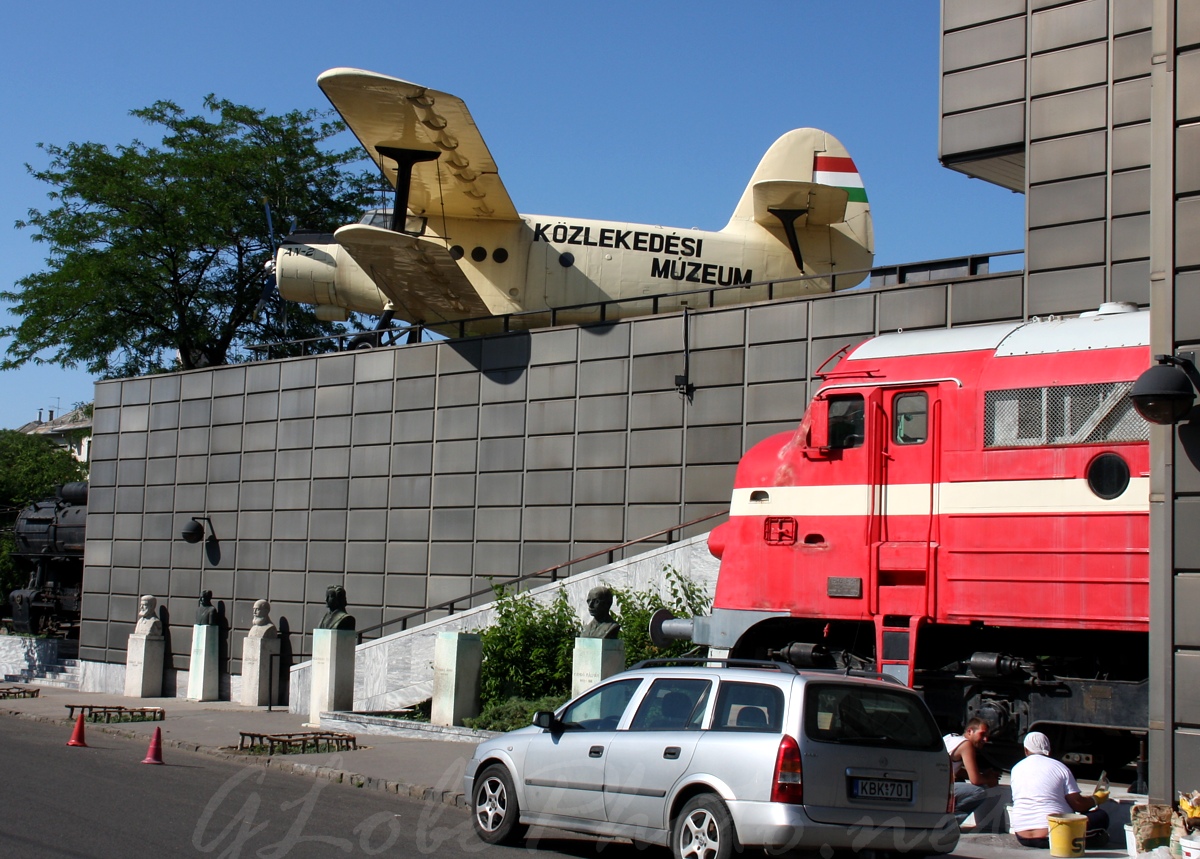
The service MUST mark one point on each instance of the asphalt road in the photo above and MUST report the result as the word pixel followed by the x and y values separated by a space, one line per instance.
pixel 101 801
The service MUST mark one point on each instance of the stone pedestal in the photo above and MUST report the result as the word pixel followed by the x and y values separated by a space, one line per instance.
pixel 260 671
pixel 203 670
pixel 144 666
pixel 332 676
pixel 457 658
pixel 593 660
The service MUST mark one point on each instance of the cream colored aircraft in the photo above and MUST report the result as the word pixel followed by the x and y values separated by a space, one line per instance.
pixel 463 252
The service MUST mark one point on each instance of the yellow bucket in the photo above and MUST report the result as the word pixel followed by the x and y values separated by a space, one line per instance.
pixel 1068 832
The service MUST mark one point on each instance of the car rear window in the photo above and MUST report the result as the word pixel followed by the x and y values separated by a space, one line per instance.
pixel 860 715
pixel 752 707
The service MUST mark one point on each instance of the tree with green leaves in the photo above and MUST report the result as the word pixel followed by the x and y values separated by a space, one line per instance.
pixel 157 255
pixel 31 468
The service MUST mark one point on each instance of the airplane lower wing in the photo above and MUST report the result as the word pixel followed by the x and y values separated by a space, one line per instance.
pixel 419 276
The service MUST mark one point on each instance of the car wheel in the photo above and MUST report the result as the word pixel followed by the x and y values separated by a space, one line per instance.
pixel 496 813
pixel 704 830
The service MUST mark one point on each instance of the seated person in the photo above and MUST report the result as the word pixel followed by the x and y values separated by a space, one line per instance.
pixel 1042 786
pixel 963 749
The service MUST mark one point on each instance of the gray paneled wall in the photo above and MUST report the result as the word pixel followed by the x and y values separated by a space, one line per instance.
pixel 414 474
pixel 1062 91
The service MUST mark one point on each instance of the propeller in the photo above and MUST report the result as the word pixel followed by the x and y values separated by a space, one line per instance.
pixel 269 287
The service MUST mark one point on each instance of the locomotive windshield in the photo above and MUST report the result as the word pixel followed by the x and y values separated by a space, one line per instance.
pixel 846 421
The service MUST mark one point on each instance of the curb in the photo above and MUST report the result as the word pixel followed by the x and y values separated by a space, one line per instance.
pixel 424 793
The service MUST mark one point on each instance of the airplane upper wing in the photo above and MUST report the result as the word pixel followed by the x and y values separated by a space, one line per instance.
pixel 385 111
pixel 418 275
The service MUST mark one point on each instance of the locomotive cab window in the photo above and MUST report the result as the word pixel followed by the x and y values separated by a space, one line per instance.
pixel 910 418
pixel 846 421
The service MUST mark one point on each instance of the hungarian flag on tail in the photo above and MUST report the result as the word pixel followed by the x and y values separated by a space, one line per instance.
pixel 841 173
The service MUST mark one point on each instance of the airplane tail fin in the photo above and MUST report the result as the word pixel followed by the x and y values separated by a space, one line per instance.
pixel 807 192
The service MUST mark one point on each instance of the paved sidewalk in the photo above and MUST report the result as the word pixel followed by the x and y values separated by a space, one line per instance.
pixel 426 769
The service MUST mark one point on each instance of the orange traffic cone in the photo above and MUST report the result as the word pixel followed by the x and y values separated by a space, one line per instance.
pixel 77 736
pixel 154 753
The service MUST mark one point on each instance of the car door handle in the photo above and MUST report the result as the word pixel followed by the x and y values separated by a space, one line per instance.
pixel 595 751
pixel 671 753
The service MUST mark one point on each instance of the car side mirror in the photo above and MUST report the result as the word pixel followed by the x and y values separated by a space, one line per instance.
pixel 545 720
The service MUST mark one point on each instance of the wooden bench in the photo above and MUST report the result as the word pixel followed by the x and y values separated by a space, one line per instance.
pixel 299 743
pixel 19 692
pixel 98 713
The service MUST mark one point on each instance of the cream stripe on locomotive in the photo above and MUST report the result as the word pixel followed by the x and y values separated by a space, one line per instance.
pixel 1072 495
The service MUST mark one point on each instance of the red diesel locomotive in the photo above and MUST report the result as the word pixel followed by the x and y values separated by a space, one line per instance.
pixel 966 510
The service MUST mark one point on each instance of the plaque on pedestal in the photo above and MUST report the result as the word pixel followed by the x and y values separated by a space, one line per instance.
pixel 260 654
pixel 457 658
pixel 332 672
pixel 593 660
pixel 144 666
pixel 144 653
pixel 203 669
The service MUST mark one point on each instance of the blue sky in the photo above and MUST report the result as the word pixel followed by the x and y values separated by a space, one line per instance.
pixel 654 112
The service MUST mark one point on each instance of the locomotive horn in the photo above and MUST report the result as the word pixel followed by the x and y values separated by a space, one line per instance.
pixel 665 628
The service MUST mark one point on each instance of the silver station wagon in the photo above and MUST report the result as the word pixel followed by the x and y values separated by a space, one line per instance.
pixel 718 755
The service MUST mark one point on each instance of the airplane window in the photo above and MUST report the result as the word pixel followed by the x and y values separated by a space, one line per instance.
pixel 566 260
pixel 846 421
pixel 456 252
pixel 478 254
pixel 500 255
pixel 910 418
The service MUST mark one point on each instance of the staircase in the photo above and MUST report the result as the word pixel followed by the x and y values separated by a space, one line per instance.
pixel 40 661
pixel 60 673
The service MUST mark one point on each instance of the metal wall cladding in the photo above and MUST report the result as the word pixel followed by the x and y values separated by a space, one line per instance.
pixel 1069 24
pixel 1065 202
pixel 989 85
pixel 1068 113
pixel 988 43
pixel 367 480
pixel 989 128
pixel 1068 69
pixel 957 14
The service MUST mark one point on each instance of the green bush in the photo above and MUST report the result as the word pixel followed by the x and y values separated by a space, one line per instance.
pixel 634 609
pixel 512 714
pixel 527 652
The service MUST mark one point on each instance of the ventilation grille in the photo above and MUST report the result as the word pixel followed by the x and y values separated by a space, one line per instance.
pixel 1063 414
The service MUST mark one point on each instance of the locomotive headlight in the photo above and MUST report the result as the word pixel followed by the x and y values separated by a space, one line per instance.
pixel 1164 394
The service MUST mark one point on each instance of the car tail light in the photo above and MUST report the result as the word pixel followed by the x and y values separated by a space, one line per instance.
pixel 788 784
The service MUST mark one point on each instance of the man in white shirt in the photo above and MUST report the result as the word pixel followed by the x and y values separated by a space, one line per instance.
pixel 963 748
pixel 1042 786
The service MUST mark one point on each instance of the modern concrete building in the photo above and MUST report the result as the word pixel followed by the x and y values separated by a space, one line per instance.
pixel 1092 107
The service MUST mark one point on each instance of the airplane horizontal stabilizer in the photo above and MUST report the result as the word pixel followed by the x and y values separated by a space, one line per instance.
pixel 824 204
pixel 418 275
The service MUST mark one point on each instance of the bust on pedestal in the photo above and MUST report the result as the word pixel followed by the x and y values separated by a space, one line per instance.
pixel 144 653
pixel 334 640
pixel 599 651
pixel 204 670
pixel 258 650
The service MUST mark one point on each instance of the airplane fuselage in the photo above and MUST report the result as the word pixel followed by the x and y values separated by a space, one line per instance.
pixel 543 263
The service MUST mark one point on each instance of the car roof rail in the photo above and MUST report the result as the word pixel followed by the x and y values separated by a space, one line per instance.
pixel 857 672
pixel 766 664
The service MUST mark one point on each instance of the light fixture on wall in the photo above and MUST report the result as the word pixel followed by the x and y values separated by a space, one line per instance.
pixel 193 530
pixel 1165 393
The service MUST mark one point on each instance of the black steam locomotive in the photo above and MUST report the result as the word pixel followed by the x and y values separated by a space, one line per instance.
pixel 49 544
